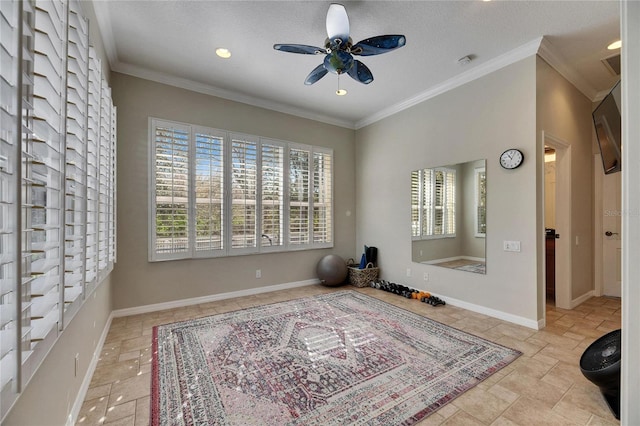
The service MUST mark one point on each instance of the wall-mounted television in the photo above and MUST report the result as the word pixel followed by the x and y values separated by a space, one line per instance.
pixel 606 118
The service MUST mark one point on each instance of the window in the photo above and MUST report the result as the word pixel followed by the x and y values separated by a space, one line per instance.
pixel 433 203
pixel 57 187
pixel 217 193
pixel 481 201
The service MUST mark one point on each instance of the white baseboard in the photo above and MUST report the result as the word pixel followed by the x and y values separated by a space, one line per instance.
pixel 212 298
pixel 536 325
pixel 578 301
pixel 77 405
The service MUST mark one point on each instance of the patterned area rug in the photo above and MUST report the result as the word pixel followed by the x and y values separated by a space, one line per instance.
pixel 334 359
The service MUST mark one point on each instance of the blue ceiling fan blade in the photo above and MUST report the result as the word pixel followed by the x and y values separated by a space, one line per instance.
pixel 315 75
pixel 378 45
pixel 360 72
pixel 299 48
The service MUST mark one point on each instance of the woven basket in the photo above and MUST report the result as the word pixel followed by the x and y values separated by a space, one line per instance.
pixel 362 277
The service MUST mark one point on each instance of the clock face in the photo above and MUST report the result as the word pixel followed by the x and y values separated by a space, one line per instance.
pixel 511 158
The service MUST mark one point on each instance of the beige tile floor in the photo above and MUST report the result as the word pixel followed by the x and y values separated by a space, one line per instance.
pixel 542 387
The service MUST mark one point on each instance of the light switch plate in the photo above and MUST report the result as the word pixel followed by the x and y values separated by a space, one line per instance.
pixel 512 246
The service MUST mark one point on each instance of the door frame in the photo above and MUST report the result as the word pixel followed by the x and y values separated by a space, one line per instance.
pixel 598 228
pixel 564 284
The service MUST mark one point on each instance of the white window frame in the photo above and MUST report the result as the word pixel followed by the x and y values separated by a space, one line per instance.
pixel 227 249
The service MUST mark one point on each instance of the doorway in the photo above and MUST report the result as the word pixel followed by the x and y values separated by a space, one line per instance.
pixel 608 221
pixel 550 223
pixel 561 220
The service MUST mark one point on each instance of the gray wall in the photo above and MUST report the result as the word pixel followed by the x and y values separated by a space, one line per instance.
pixel 565 113
pixel 478 120
pixel 138 282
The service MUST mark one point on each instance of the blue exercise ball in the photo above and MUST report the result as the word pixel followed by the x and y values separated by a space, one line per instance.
pixel 332 270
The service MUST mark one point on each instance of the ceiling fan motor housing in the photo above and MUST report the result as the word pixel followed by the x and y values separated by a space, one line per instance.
pixel 338 61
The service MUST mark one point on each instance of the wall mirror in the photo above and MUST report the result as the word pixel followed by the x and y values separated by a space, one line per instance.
pixel 449 216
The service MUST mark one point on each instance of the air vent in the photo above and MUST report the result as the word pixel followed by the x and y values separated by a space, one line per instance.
pixel 613 64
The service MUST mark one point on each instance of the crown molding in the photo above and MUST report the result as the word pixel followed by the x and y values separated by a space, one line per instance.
pixel 101 10
pixel 540 46
pixel 559 63
pixel 207 89
pixel 481 70
pixel 103 17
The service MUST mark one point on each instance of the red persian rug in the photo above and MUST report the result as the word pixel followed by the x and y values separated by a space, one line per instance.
pixel 334 359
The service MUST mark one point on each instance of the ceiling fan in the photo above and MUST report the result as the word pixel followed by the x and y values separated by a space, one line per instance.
pixel 339 49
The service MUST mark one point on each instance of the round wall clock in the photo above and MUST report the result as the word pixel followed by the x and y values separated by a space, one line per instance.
pixel 511 158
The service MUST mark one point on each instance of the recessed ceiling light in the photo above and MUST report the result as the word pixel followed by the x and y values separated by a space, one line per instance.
pixel 223 53
pixel 341 92
pixel 615 45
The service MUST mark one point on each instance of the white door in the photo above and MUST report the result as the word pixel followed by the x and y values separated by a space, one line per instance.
pixel 611 243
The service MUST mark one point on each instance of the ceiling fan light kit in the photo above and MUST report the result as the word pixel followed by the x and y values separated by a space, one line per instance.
pixel 339 49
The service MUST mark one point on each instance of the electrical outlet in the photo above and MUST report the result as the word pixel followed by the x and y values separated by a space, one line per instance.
pixel 425 276
pixel 258 273
pixel 408 272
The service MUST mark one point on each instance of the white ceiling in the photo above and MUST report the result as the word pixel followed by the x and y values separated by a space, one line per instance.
pixel 174 41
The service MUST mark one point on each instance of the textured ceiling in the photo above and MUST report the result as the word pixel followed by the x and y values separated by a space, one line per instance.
pixel 174 42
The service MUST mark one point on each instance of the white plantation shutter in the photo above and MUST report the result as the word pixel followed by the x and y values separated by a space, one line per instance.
pixel 44 177
pixel 439 203
pixel 10 44
pixel 481 201
pixel 449 202
pixel 433 194
pixel 217 193
pixel 50 162
pixel 244 181
pixel 322 197
pixel 76 158
pixel 272 168
pixel 92 199
pixel 415 203
pixel 299 199
pixel 209 192
pixel 105 180
pixel 171 183
pixel 111 217
pixel 428 200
